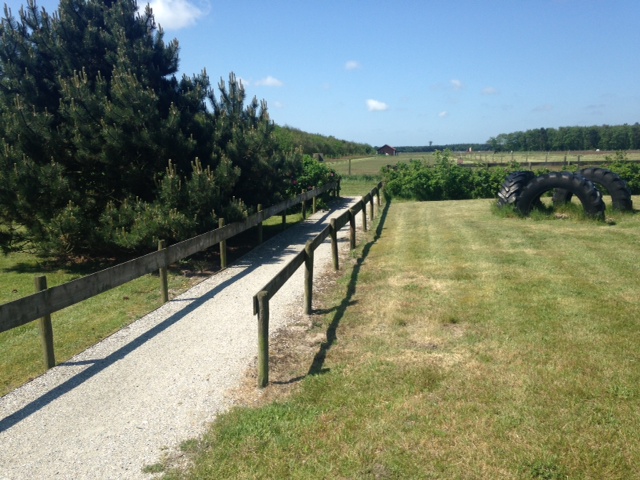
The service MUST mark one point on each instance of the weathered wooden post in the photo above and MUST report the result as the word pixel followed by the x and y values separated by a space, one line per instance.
pixel 284 219
pixel 313 204
pixel 304 208
pixel 371 207
pixel 263 339
pixel 352 229
pixel 338 189
pixel 333 232
pixel 259 225
pixel 223 247
pixel 308 278
pixel 164 282
pixel 378 197
pixel 364 215
pixel 46 329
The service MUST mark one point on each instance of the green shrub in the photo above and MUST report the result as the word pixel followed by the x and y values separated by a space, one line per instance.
pixel 628 171
pixel 444 180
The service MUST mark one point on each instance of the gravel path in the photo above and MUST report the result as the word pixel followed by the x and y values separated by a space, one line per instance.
pixel 116 407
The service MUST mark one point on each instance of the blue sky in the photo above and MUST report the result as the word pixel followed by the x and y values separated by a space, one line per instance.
pixel 411 72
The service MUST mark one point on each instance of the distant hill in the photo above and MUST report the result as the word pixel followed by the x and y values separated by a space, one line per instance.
pixel 291 138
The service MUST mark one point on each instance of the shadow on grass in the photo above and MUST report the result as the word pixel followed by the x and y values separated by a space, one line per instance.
pixel 271 252
pixel 317 365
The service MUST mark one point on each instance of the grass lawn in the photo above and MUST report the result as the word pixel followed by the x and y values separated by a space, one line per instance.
pixel 82 325
pixel 460 344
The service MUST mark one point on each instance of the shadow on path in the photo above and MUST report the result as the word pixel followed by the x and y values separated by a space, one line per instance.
pixel 317 365
pixel 270 252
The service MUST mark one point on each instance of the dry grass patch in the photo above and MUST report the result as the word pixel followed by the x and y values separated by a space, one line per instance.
pixel 457 344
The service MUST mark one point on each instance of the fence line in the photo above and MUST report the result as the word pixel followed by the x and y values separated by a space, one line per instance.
pixel 305 256
pixel 46 301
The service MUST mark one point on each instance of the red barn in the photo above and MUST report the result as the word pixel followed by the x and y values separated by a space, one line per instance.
pixel 387 150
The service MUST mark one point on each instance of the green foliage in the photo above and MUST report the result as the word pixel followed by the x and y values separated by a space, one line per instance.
pixel 604 137
pixel 291 138
pixel 444 180
pixel 91 112
pixel 628 171
pixel 314 174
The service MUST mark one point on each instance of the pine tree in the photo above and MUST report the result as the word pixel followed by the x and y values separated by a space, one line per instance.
pixel 90 114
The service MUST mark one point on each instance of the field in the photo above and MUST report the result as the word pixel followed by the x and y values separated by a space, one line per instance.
pixel 457 344
pixel 372 165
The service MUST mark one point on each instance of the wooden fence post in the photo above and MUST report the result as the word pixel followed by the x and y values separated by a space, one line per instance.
pixel 263 339
pixel 46 329
pixel 223 247
pixel 313 204
pixel 164 281
pixel 260 236
pixel 304 209
pixel 364 215
pixel 284 219
pixel 308 278
pixel 334 244
pixel 371 208
pixel 352 229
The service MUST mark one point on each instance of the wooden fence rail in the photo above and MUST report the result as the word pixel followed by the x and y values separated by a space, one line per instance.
pixel 305 256
pixel 49 300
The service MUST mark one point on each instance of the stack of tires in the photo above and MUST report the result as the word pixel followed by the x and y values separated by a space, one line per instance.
pixel 523 190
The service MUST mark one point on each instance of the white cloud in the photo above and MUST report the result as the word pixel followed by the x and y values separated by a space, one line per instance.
pixel 457 84
pixel 352 65
pixel 376 106
pixel 269 82
pixel 489 91
pixel 278 104
pixel 443 114
pixel 176 14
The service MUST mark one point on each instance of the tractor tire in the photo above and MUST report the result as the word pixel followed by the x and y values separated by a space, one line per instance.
pixel 611 182
pixel 585 190
pixel 512 187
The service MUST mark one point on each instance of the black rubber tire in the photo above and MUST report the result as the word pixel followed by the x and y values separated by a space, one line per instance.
pixel 610 181
pixel 512 187
pixel 584 189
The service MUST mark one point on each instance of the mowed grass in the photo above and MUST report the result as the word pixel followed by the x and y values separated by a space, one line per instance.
pixel 82 325
pixel 459 345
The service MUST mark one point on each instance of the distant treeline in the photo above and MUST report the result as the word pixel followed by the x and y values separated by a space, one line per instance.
pixel 290 138
pixel 454 147
pixel 605 137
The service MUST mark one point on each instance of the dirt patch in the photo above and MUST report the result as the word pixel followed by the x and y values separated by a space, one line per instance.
pixel 293 348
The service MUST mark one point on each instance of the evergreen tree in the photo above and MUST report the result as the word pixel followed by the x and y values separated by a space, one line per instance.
pixel 90 114
pixel 244 136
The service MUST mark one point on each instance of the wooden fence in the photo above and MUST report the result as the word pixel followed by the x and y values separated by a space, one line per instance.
pixel 46 301
pixel 305 256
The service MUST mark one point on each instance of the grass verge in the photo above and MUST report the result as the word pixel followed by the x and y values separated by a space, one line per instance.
pixel 459 344
pixel 78 327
